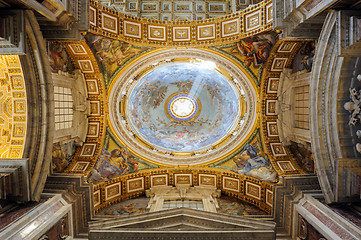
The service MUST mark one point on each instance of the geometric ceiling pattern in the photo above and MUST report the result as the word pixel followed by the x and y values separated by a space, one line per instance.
pixel 106 22
pixel 178 10
pixel 13 107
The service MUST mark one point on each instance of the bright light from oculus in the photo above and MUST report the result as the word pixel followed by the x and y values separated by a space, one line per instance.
pixel 183 107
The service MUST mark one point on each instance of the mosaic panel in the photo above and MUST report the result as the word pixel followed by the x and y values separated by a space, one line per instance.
pixel 58 58
pixel 128 207
pixel 112 54
pixel 62 155
pixel 115 160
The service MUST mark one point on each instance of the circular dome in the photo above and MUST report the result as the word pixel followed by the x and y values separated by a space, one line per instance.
pixel 183 107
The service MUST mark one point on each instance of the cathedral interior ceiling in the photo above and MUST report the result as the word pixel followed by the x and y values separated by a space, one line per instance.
pixel 178 10
pixel 116 42
pixel 138 31
pixel 13 108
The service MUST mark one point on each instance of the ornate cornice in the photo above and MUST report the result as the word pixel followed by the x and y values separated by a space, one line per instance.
pixel 155 33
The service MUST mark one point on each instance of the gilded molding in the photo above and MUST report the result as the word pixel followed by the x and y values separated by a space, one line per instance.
pixel 13 114
pixel 245 188
pixel 107 22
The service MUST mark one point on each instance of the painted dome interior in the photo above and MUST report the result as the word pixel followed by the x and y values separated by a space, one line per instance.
pixel 183 107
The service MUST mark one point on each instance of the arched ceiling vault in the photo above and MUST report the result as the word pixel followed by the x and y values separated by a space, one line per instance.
pixel 112 53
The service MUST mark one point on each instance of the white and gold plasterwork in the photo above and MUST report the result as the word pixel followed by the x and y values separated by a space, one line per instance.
pixel 177 30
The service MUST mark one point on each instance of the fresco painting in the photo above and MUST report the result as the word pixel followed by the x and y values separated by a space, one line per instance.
pixel 255 50
pixel 252 52
pixel 235 207
pixel 112 54
pixel 303 156
pixel 115 160
pixel 215 98
pixel 62 154
pixel 304 57
pixel 58 58
pixel 227 205
pixel 251 161
pixel 128 207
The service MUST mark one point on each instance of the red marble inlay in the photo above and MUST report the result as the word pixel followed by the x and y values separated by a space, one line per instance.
pixel 328 222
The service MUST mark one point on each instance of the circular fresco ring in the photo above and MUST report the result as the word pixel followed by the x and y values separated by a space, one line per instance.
pixel 223 148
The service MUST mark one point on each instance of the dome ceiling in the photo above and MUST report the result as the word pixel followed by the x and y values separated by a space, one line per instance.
pixel 183 107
